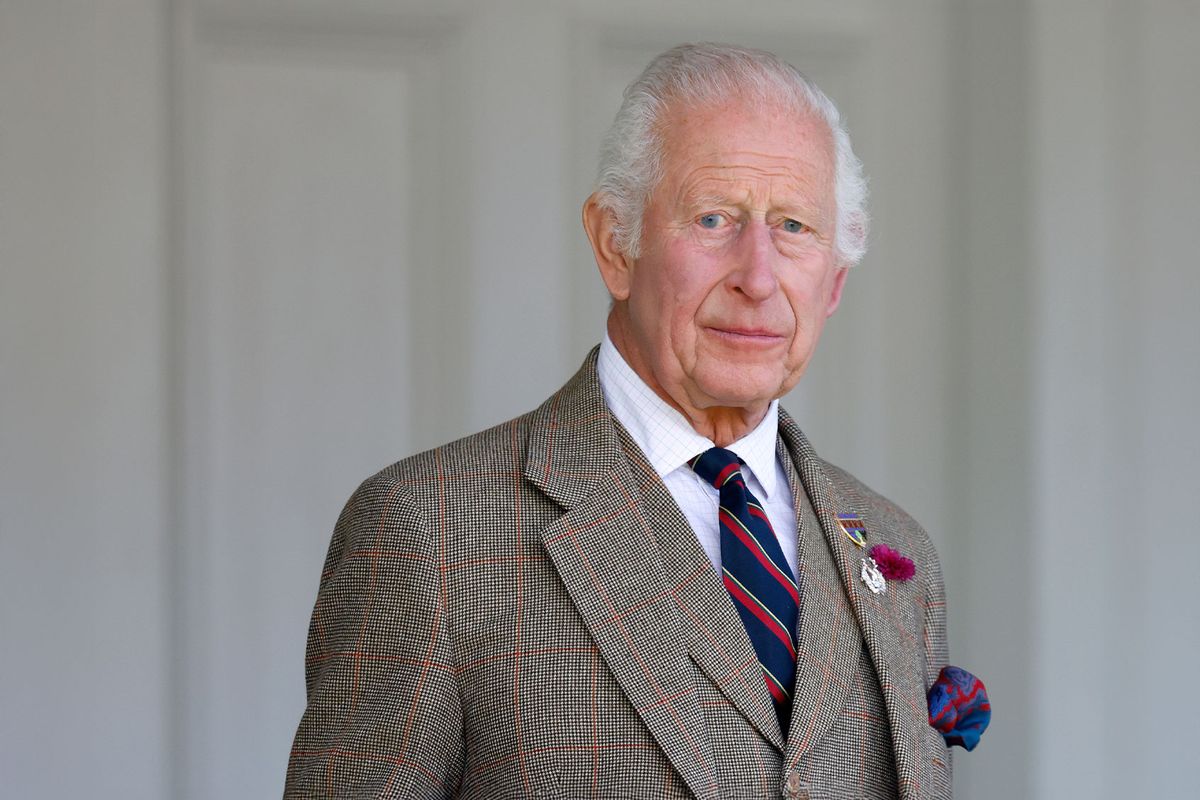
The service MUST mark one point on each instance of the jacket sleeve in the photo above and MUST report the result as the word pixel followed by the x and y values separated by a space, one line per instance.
pixel 384 716
pixel 937 651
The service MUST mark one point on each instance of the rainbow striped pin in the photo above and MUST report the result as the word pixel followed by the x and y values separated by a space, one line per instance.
pixel 854 528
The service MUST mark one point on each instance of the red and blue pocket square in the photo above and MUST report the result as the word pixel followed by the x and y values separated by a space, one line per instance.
pixel 959 707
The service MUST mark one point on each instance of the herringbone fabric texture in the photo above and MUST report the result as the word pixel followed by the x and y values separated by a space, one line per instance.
pixel 756 575
pixel 525 613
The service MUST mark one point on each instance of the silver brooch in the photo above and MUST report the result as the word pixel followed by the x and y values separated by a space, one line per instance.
pixel 872 577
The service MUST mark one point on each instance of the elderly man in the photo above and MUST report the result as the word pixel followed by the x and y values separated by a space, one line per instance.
pixel 650 586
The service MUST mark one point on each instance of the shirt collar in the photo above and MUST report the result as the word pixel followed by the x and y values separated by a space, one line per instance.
pixel 664 435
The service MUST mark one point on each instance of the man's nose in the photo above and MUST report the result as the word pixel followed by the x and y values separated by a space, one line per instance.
pixel 754 275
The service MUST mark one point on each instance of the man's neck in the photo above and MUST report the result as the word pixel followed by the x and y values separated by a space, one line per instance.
pixel 723 425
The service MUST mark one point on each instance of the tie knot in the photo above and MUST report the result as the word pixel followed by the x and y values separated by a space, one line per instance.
pixel 717 466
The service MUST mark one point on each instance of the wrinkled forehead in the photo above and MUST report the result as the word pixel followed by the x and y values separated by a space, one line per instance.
pixel 785 144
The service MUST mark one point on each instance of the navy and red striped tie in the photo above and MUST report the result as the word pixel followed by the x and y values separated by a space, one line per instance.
pixel 756 575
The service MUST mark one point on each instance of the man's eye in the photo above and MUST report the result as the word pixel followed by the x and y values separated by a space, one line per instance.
pixel 792 226
pixel 710 221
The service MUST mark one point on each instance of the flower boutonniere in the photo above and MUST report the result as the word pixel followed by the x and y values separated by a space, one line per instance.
pixel 892 565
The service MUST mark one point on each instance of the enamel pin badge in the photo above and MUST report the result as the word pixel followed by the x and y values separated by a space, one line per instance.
pixel 852 525
pixel 854 529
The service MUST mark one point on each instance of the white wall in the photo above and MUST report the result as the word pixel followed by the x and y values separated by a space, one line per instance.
pixel 1116 360
pixel 85 602
pixel 231 233
pixel 991 539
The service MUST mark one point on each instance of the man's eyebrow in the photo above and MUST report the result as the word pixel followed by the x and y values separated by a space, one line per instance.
pixel 709 199
pixel 794 209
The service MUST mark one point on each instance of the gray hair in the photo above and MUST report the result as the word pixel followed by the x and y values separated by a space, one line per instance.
pixel 699 75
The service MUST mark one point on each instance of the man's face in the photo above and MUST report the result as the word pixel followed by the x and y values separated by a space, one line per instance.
pixel 737 274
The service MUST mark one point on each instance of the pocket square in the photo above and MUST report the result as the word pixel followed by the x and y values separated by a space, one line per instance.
pixel 959 707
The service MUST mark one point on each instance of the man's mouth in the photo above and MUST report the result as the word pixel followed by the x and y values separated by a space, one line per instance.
pixel 747 335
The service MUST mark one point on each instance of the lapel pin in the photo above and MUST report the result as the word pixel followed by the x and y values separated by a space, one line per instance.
pixel 854 528
pixel 872 577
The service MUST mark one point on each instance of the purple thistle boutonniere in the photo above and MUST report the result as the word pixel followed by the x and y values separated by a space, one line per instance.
pixel 893 565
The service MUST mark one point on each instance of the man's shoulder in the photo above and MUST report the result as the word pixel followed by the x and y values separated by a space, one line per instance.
pixel 865 498
pixel 498 449
pixel 882 513
pixel 572 418
pixel 848 488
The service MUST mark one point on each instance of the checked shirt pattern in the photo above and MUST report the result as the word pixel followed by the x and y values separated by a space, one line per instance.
pixel 756 575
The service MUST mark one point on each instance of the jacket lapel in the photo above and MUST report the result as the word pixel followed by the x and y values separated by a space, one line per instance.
pixel 715 635
pixel 829 644
pixel 882 632
pixel 608 557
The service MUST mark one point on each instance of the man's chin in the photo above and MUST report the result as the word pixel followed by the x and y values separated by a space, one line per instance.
pixel 746 391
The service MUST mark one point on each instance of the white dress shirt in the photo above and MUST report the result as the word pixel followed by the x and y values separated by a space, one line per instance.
pixel 669 442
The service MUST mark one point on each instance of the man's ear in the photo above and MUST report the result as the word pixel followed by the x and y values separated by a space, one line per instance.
pixel 835 296
pixel 615 268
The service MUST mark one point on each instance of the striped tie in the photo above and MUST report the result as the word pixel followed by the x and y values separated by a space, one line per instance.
pixel 756 575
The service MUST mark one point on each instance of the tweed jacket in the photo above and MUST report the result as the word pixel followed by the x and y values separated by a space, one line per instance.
pixel 526 613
